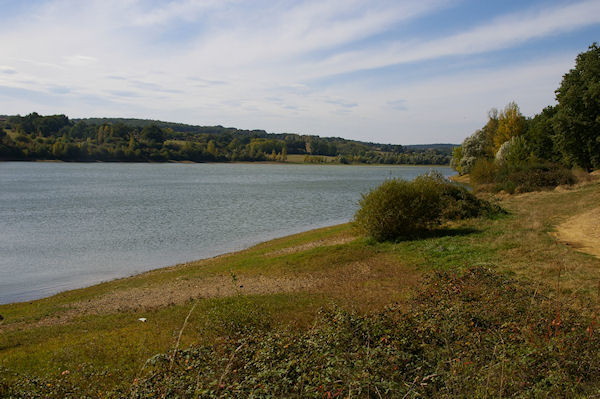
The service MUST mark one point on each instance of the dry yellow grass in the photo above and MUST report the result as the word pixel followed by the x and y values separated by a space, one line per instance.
pixel 582 232
pixel 464 179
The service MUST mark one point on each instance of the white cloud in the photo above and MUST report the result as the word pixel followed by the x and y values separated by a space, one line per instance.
pixel 79 60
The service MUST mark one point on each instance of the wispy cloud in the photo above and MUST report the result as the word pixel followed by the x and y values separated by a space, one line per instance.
pixel 398 105
pixel 7 70
pixel 169 12
pixel 79 60
pixel 342 103
pixel 500 33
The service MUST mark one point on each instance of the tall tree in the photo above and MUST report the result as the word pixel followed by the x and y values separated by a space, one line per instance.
pixel 540 135
pixel 577 121
pixel 511 123
pixel 153 135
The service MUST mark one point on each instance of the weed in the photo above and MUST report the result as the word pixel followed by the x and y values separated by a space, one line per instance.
pixel 470 335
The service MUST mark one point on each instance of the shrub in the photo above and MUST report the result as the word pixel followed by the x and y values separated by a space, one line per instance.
pixel 484 171
pixel 511 172
pixel 458 203
pixel 532 177
pixel 400 208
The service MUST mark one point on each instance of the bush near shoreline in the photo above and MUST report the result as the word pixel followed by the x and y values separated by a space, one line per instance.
pixel 400 208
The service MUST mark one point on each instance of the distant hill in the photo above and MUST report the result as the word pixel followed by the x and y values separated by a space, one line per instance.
pixel 178 127
pixel 441 148
pixel 34 137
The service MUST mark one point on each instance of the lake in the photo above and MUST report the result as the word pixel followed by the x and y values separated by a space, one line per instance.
pixel 69 225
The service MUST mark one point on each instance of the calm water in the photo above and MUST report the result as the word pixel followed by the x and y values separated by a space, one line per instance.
pixel 66 225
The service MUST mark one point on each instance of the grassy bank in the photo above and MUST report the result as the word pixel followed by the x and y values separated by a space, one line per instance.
pixel 89 341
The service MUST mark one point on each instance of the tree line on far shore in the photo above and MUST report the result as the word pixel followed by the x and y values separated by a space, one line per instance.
pixel 515 153
pixel 56 137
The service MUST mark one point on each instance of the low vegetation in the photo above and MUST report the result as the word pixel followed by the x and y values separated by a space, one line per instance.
pixel 475 334
pixel 400 208
pixel 520 177
pixel 478 307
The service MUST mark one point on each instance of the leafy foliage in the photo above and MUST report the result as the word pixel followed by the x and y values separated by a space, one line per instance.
pixel 540 135
pixel 458 204
pixel 399 208
pixel 523 178
pixel 476 146
pixel 485 171
pixel 520 177
pixel 514 151
pixel 527 151
pixel 577 121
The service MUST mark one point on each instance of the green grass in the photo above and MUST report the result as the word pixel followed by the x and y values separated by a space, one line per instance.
pixel 105 348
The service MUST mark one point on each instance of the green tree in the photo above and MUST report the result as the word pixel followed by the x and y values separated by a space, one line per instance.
pixel 540 135
pixel 49 125
pixel 578 118
pixel 457 155
pixel 489 131
pixel 513 152
pixel 153 134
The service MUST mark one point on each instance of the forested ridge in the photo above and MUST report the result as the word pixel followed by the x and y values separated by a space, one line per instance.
pixel 56 137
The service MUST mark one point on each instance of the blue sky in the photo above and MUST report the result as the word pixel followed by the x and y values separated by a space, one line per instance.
pixel 401 72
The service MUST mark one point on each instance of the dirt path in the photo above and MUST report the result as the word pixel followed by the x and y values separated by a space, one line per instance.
pixel 582 232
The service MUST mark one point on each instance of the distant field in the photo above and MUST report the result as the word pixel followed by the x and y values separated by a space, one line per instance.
pixel 299 158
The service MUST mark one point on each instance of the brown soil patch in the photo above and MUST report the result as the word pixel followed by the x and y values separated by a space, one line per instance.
pixel 582 232
pixel 310 245
pixel 370 284
pixel 174 292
